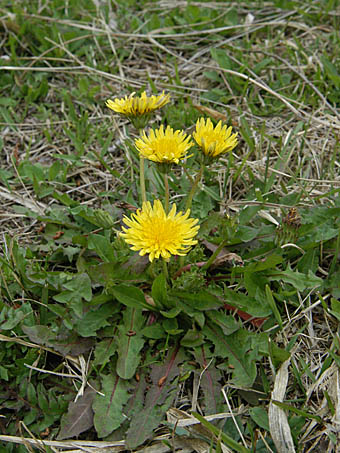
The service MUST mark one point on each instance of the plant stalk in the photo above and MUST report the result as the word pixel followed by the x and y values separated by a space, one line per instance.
pixel 189 201
pixel 165 270
pixel 213 256
pixel 194 188
pixel 167 193
pixel 142 178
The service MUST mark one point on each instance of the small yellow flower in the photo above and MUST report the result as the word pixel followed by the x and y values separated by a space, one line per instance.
pixel 214 141
pixel 152 231
pixel 161 146
pixel 132 106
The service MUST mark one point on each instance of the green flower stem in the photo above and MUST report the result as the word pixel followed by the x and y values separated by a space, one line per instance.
pixel 167 194
pixel 188 175
pixel 142 178
pixel 151 269
pixel 213 256
pixel 194 188
pixel 165 270
pixel 189 201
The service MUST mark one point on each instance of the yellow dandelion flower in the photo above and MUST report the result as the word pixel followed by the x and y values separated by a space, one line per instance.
pixel 132 105
pixel 152 231
pixel 161 146
pixel 214 140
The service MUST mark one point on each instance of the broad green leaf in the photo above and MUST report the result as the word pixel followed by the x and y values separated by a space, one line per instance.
pixel 65 343
pixel 323 232
pixel 108 409
pixel 8 102
pixel 130 296
pixel 247 233
pixel 237 348
pixel 107 274
pixel 297 279
pixel 335 308
pixel 136 402
pixel 3 373
pixel 247 213
pixel 97 217
pixel 227 323
pixel 11 317
pixel 155 332
pixel 172 313
pixel 202 300
pixel 199 318
pixel 102 246
pixel 221 57
pixel 81 285
pixel 260 417
pixel 320 214
pixel 39 334
pixel 331 71
pixel 77 305
pixel 31 416
pixel 210 381
pixel 159 397
pixel 103 351
pixel 31 394
pixel 202 204
pixel 255 283
pixel 170 326
pixel 277 355
pixel 214 220
pixel 101 299
pixel 159 292
pixel 31 171
pixel 79 417
pixel 129 342
pixel 64 297
pixel 71 343
pixel 18 257
pixel 192 339
pixel 247 304
pixel 65 199
pixel 93 320
pixel 269 263
pixel 180 306
pixel 310 260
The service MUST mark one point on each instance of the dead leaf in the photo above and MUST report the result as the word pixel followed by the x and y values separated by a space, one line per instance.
pixel 278 422
pixel 58 234
pixel 211 112
pixel 229 259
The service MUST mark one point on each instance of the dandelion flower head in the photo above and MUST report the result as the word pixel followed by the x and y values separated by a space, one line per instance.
pixel 164 146
pixel 132 106
pixel 151 231
pixel 214 140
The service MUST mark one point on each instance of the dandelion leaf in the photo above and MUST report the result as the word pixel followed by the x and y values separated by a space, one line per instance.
pixel 298 280
pixel 79 417
pixel 159 397
pixel 210 378
pixel 130 342
pixel 237 348
pixel 108 408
